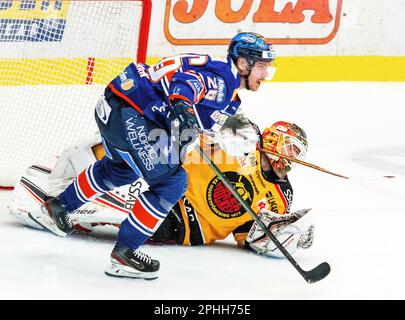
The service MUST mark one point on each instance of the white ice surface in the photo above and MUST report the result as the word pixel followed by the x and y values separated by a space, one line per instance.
pixel 355 129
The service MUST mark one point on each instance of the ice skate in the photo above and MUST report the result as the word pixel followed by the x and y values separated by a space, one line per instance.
pixel 130 263
pixel 53 217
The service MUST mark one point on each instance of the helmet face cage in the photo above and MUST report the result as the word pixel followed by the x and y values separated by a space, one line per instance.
pixel 286 139
pixel 291 147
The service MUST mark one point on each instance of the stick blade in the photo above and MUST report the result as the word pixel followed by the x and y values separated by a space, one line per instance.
pixel 317 273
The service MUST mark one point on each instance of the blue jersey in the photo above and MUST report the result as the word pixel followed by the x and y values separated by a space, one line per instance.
pixel 206 83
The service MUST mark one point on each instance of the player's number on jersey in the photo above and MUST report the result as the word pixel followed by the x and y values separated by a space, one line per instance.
pixel 168 66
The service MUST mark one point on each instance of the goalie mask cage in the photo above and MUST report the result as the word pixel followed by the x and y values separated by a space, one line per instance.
pixel 56 57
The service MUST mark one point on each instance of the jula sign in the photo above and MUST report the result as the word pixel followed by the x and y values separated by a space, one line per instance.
pixel 214 22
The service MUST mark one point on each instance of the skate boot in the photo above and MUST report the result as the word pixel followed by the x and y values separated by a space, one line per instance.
pixel 54 217
pixel 130 263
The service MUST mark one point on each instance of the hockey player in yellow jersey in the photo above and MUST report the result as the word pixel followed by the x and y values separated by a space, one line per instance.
pixel 208 211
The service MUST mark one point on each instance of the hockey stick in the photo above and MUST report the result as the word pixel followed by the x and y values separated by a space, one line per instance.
pixel 310 276
pixel 310 165
pixel 304 163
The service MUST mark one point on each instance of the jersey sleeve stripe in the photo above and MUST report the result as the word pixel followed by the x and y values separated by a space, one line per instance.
pixel 179 96
pixel 119 94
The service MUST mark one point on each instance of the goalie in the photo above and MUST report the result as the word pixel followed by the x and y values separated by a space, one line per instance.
pixel 208 211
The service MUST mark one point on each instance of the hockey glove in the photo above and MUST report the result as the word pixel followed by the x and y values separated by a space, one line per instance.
pixel 237 136
pixel 182 115
pixel 183 119
pixel 289 229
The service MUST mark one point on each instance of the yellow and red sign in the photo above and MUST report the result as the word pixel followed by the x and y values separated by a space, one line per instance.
pixel 284 22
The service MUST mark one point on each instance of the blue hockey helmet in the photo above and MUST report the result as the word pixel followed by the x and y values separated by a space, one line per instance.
pixel 251 46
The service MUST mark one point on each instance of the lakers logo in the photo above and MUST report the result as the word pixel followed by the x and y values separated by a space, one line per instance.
pixel 222 202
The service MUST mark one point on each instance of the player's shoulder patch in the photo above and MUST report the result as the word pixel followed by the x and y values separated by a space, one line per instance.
pixel 196 83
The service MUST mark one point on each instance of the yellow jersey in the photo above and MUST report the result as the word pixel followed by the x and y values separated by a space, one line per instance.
pixel 209 210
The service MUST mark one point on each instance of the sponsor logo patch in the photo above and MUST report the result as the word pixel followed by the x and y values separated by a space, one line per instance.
pixel 103 110
pixel 138 138
pixel 249 39
pixel 272 202
pixel 221 91
pixel 127 84
pixel 134 190
pixel 196 86
pixel 221 201
pixel 262 204
pixel 218 117
pixel 127 81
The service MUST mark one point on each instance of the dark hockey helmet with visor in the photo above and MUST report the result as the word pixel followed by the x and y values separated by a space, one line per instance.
pixel 251 46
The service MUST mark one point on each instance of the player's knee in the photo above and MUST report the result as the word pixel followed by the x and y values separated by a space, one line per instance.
pixel 173 188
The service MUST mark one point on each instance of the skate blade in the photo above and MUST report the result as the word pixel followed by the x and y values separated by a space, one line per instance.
pixel 47 223
pixel 120 271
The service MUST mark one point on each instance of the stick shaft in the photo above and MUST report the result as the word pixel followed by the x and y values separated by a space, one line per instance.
pixel 250 211
pixel 304 163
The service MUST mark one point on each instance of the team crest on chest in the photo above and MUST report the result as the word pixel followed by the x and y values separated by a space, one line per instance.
pixel 222 202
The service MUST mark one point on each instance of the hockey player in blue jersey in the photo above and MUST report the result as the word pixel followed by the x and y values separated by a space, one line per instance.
pixel 147 117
